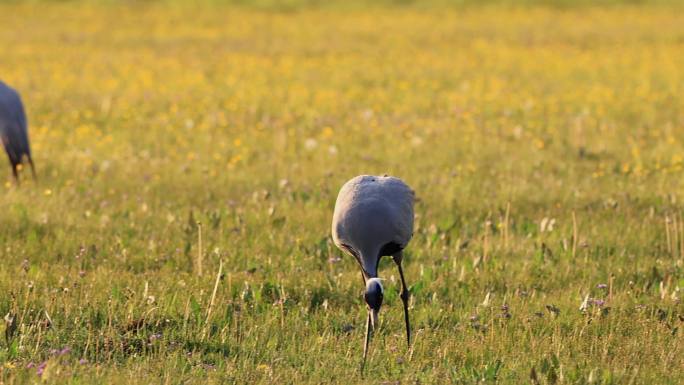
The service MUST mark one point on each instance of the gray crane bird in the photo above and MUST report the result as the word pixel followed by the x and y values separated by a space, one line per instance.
pixel 14 129
pixel 374 218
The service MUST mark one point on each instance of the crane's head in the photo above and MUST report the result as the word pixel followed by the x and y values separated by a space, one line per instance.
pixel 373 297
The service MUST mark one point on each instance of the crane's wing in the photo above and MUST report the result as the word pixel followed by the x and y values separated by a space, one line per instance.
pixel 400 198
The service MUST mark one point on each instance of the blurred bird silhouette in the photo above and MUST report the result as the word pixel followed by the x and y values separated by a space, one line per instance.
pixel 14 130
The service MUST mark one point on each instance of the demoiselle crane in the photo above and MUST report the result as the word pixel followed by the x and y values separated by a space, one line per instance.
pixel 14 129
pixel 374 218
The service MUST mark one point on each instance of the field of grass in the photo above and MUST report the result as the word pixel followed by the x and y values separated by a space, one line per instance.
pixel 545 146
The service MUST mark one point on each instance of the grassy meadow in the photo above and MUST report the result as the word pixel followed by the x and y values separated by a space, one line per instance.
pixel 189 159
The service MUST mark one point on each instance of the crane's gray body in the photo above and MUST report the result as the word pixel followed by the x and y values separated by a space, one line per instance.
pixel 373 215
pixel 13 126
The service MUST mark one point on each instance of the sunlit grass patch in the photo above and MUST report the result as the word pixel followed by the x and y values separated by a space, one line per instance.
pixel 544 144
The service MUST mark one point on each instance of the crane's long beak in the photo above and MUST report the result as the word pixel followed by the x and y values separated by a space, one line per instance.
pixel 373 317
pixel 371 322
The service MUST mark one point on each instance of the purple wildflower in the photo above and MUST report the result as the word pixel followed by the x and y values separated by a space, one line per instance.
pixel 30 365
pixel 82 361
pixel 41 368
pixel 65 350
pixel 599 302
pixel 601 286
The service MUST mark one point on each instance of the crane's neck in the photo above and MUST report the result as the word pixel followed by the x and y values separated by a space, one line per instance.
pixel 369 263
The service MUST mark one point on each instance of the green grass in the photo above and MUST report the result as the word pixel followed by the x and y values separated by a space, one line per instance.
pixel 146 120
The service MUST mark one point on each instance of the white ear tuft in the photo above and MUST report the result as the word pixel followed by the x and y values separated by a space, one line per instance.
pixel 372 281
